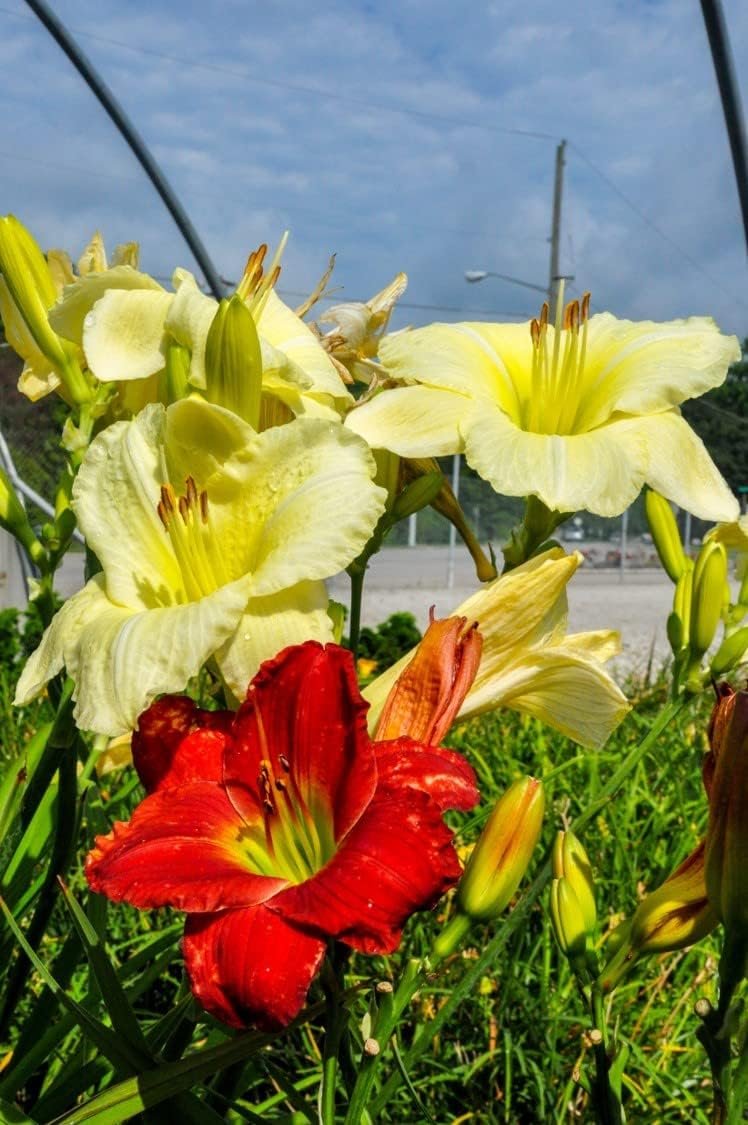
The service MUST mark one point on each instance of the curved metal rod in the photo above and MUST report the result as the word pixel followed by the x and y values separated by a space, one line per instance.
pixel 97 85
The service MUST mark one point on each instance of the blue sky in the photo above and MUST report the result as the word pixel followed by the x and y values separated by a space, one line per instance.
pixel 395 135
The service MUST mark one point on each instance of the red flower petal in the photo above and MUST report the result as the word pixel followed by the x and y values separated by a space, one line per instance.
pixel 183 848
pixel 397 859
pixel 176 741
pixel 249 966
pixel 304 711
pixel 443 774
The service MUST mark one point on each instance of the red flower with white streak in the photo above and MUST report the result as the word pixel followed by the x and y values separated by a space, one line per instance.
pixel 279 827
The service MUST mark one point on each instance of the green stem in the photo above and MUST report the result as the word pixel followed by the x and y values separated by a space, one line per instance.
pixel 357 572
pixel 607 1104
pixel 335 1025
pixel 538 524
pixel 518 917
pixel 384 1026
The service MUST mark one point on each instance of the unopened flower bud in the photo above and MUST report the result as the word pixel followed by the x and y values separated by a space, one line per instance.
pixel 727 833
pixel 417 495
pixel 730 652
pixel 27 293
pixel 682 601
pixel 674 916
pixel 233 361
pixel 571 863
pixel 709 578
pixel 502 854
pixel 665 534
pixel 14 519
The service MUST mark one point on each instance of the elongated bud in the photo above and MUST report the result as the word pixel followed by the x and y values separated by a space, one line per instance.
pixel 425 699
pixel 27 293
pixel 682 601
pixel 674 916
pixel 446 504
pixel 665 534
pixel 727 833
pixel 571 863
pixel 709 578
pixel 14 519
pixel 730 652
pixel 233 361
pixel 174 384
pixel 417 495
pixel 502 854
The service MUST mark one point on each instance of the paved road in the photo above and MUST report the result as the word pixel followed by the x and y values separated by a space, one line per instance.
pixel 414 579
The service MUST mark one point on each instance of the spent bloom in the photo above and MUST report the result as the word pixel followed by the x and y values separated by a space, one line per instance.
pixel 280 827
pixel 581 415
pixel 359 328
pixel 528 661
pixel 214 542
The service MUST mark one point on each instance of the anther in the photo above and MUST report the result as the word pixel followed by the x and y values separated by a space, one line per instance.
pixel 268 805
pixel 571 316
pixel 544 315
pixel 204 506
pixel 284 762
pixel 280 785
pixel 167 498
pixel 535 332
pixel 191 491
pixel 184 508
pixel 585 309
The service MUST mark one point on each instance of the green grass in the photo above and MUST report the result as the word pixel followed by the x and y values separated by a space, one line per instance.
pixel 514 1049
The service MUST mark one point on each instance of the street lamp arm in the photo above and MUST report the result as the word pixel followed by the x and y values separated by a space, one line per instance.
pixel 480 275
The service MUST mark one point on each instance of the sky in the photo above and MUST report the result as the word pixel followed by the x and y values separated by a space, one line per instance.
pixel 415 135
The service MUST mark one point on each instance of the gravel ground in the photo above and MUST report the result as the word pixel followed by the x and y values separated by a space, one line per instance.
pixel 414 579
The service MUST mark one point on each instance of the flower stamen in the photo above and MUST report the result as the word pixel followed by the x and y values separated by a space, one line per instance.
pixel 556 379
pixel 193 538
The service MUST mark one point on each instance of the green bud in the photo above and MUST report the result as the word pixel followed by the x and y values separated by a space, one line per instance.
pixel 730 652
pixel 27 293
pixel 503 851
pixel 665 534
pixel 571 863
pixel 175 379
pixel 674 630
pixel 336 611
pixel 568 922
pixel 417 495
pixel 709 578
pixel 14 519
pixel 682 599
pixel 233 361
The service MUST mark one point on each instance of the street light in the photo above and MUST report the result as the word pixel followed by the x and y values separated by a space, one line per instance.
pixel 480 275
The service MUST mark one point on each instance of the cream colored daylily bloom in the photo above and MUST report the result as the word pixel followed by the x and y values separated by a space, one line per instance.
pixel 529 663
pixel 214 543
pixel 124 321
pixel 359 328
pixel 581 416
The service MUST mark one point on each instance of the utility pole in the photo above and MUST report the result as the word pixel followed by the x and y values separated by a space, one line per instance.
pixel 558 187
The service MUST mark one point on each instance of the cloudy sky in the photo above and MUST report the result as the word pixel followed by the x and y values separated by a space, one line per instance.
pixel 414 135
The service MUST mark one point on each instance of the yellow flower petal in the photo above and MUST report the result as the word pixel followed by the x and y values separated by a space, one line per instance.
pixel 602 471
pixel 412 421
pixel 68 315
pixel 123 334
pixel 644 368
pixel 293 339
pixel 269 625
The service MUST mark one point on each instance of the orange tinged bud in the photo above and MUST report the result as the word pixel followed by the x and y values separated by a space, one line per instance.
pixel 430 690
pixel 726 777
pixel 502 854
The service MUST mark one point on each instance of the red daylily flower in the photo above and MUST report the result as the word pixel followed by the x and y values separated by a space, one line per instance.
pixel 279 827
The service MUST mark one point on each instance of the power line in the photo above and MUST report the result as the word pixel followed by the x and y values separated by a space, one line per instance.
pixel 307 91
pixel 653 226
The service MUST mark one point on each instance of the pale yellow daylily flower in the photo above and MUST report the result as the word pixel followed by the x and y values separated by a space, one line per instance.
pixel 359 328
pixel 529 663
pixel 124 321
pixel 581 416
pixel 214 542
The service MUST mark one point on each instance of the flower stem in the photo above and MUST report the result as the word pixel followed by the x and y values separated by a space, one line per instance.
pixel 357 572
pixel 518 917
pixel 607 1103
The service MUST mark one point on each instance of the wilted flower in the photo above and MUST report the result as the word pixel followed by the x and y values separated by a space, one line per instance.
pixel 528 661
pixel 726 777
pixel 359 328
pixel 280 827
pixel 581 416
